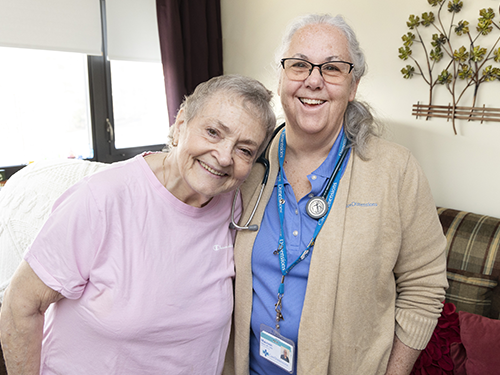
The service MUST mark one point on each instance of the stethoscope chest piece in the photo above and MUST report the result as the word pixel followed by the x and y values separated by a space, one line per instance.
pixel 317 207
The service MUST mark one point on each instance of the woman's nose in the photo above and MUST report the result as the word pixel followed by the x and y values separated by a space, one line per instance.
pixel 315 79
pixel 225 154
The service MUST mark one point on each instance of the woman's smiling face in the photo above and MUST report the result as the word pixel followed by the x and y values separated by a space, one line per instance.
pixel 216 149
pixel 313 106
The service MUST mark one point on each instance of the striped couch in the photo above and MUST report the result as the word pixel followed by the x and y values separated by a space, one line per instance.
pixel 473 254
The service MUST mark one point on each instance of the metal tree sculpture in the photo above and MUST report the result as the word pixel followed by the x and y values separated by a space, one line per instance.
pixel 467 63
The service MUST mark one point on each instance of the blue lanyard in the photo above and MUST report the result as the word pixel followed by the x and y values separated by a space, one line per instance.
pixel 281 210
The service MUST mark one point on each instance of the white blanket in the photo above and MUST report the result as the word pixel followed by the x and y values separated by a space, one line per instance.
pixel 25 203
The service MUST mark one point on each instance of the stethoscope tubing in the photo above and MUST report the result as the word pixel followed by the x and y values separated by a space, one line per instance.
pixel 265 162
pixel 336 170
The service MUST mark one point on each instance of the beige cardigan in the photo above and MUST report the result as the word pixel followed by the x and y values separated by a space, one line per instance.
pixel 378 267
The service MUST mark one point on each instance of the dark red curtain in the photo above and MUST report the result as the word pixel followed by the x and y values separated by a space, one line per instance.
pixel 191 46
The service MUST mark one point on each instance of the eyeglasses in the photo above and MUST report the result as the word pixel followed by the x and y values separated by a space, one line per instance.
pixel 331 71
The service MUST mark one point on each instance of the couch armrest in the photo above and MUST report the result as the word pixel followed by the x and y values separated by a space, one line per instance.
pixel 473 255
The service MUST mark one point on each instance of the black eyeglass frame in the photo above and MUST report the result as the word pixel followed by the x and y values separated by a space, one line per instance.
pixel 351 65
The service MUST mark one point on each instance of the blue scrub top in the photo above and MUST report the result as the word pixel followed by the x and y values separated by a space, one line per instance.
pixel 299 229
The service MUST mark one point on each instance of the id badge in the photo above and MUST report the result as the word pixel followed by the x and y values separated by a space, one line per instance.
pixel 276 348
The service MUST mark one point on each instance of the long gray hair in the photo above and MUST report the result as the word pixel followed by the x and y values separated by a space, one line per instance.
pixel 359 123
pixel 256 99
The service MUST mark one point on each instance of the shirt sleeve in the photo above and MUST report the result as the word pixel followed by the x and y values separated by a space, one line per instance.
pixel 62 253
pixel 420 270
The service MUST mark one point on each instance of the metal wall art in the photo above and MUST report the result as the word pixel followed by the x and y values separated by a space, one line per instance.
pixel 453 58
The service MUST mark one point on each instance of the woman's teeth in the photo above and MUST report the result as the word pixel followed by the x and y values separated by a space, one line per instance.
pixel 311 101
pixel 211 170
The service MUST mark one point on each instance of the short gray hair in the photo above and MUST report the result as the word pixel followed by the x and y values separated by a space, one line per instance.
pixel 256 99
pixel 359 122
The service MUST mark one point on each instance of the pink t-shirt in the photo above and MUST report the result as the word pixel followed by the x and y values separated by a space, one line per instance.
pixel 147 278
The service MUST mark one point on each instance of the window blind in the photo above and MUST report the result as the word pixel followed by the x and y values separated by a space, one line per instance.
pixel 132 30
pixel 75 26
pixel 60 25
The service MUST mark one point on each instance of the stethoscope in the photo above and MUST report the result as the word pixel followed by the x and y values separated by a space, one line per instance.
pixel 316 207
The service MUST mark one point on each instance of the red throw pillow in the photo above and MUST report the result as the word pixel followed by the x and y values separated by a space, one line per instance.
pixel 481 340
pixel 458 357
pixel 435 359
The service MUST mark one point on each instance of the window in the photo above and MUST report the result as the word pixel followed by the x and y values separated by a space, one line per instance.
pixel 75 104
pixel 44 106
pixel 139 103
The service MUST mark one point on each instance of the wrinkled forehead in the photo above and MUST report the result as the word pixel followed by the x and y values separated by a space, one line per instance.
pixel 231 99
pixel 319 41
pixel 231 102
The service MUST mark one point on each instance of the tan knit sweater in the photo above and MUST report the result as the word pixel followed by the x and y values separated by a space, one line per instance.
pixel 378 268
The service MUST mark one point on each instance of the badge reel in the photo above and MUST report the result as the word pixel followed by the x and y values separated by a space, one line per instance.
pixel 276 348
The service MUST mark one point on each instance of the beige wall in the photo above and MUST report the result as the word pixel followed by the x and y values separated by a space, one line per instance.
pixel 464 169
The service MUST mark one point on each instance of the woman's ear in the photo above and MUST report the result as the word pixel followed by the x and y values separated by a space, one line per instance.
pixel 178 125
pixel 279 83
pixel 354 89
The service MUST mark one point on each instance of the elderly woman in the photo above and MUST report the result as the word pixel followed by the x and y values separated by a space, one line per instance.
pixel 136 262
pixel 347 270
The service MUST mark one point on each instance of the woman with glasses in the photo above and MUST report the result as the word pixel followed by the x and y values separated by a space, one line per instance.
pixel 347 271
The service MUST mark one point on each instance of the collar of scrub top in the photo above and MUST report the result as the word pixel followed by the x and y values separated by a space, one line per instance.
pixel 329 193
